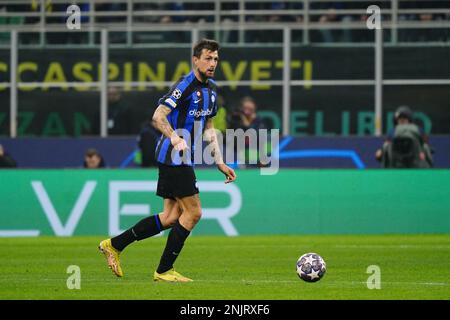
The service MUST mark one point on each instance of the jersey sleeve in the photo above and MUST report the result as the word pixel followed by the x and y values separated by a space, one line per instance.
pixel 173 97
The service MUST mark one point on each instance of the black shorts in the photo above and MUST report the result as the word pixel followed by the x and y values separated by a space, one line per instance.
pixel 176 181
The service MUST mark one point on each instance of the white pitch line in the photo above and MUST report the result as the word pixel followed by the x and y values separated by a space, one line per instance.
pixel 356 246
pixel 243 281
pixel 328 283
pixel 19 233
pixel 399 246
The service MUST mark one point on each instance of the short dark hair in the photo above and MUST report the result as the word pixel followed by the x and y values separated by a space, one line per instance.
pixel 208 44
pixel 92 152
pixel 404 112
pixel 248 99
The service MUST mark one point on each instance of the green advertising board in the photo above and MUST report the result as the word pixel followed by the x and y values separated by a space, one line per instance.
pixel 101 202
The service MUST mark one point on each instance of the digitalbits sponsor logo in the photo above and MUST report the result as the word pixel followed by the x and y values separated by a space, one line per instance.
pixel 200 113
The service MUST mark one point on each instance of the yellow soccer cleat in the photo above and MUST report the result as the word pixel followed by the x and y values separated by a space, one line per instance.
pixel 170 276
pixel 112 256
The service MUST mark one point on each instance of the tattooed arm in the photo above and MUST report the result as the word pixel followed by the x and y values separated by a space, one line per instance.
pixel 211 137
pixel 160 122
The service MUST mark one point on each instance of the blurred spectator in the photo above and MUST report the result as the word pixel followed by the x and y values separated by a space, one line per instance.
pixel 272 35
pixel 6 161
pixel 422 34
pixel 279 6
pixel 34 7
pixel 162 36
pixel 173 36
pixel 147 141
pixel 70 36
pixel 363 35
pixel 105 6
pixel 331 16
pixel 297 17
pixel 4 36
pixel 406 145
pixel 119 115
pixel 145 18
pixel 245 117
pixel 447 31
pixel 329 35
pixel 93 159
pixel 200 7
pixel 430 34
pixel 229 35
pixel 346 34
pixel 102 6
pixel 174 6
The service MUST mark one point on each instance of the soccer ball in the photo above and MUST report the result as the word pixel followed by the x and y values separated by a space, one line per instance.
pixel 311 267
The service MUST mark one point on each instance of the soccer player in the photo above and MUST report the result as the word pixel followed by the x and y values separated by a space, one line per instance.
pixel 190 103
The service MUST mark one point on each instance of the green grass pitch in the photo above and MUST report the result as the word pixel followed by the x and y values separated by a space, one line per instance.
pixel 245 267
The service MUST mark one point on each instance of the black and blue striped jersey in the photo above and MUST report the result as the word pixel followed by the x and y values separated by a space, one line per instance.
pixel 192 103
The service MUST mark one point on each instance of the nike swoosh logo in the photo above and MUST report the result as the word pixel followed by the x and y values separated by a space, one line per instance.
pixel 196 101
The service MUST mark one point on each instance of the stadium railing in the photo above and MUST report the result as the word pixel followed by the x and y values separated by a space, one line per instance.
pixel 146 21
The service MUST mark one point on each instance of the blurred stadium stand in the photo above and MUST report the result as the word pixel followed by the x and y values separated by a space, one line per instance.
pixel 319 21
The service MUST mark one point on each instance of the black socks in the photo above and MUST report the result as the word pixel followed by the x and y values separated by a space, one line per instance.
pixel 145 228
pixel 148 227
pixel 175 242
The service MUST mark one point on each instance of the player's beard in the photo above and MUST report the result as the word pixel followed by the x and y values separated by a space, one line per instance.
pixel 203 75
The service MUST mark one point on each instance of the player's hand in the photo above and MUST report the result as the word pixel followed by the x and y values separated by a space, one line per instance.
pixel 177 142
pixel 422 156
pixel 379 154
pixel 228 172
